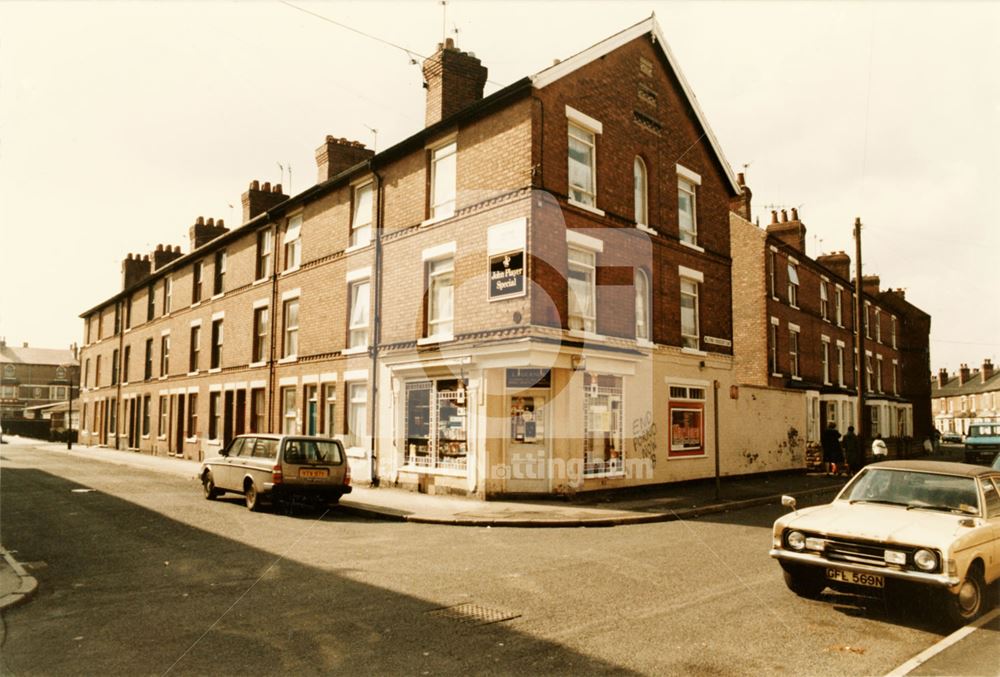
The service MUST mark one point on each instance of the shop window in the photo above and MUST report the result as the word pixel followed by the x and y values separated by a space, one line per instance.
pixel 687 421
pixel 436 428
pixel 603 443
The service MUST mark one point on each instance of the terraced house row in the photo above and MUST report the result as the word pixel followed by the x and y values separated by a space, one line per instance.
pixel 531 294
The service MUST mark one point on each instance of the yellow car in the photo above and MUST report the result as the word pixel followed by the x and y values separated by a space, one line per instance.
pixel 900 527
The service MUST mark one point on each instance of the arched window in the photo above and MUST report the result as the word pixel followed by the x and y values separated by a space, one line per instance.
pixel 641 201
pixel 8 371
pixel 642 315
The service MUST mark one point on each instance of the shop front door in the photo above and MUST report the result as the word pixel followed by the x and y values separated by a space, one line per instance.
pixel 527 443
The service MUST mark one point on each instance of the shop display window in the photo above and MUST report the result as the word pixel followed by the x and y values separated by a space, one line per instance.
pixel 603 444
pixel 436 424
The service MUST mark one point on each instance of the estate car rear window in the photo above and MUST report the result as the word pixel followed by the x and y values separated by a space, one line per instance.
pixel 315 452
pixel 265 448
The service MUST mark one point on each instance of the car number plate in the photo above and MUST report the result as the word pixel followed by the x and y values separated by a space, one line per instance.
pixel 856 578
pixel 313 472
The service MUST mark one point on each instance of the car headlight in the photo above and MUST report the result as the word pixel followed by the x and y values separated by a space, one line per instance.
pixel 925 560
pixel 796 540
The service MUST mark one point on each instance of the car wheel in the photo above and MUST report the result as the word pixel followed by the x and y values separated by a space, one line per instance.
pixel 805 583
pixel 968 603
pixel 252 496
pixel 208 485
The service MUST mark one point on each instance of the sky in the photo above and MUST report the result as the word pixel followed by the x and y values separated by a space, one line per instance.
pixel 121 123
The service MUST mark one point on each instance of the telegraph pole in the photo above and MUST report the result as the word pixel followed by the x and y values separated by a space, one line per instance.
pixel 859 334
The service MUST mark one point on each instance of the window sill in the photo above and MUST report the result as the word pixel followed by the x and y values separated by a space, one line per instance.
pixel 255 365
pixel 163 378
pixel 145 437
pixel 359 246
pixel 215 370
pixel 777 374
pixel 694 351
pixel 161 438
pixel 436 219
pixel 191 440
pixel 793 306
pixel 216 297
pixel 584 334
pixel 586 208
pixel 289 271
pixel 193 373
pixel 602 475
pixel 796 378
pixel 196 304
pixel 215 443
pixel 691 245
pixel 645 343
pixel 289 359
pixel 431 340
pixel 354 351
pixel 258 282
pixel 646 229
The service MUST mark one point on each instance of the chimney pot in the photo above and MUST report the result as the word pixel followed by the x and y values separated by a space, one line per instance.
pixel 159 247
pixel 210 222
pixel 795 214
pixel 275 189
pixel 739 179
pixel 774 216
pixel 220 223
pixel 784 216
pixel 267 187
pixel 200 220
pixel 255 185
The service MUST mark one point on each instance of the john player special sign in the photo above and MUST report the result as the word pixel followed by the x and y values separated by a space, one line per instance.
pixel 507 275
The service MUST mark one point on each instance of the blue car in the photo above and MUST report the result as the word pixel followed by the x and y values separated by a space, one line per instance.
pixel 982 443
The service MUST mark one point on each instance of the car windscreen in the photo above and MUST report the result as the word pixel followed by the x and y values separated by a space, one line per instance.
pixel 915 490
pixel 316 452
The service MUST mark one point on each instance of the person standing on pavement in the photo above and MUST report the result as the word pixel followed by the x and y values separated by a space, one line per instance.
pixel 852 451
pixel 832 454
pixel 879 451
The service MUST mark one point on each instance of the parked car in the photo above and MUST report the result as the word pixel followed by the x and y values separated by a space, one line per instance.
pixel 982 443
pixel 265 468
pixel 900 528
pixel 951 438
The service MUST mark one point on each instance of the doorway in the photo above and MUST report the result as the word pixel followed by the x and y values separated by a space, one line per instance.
pixel 179 436
pixel 527 442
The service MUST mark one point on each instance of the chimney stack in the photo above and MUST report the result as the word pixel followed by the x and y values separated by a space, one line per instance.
pixel 790 231
pixel 201 232
pixel 258 200
pixel 336 155
pixel 963 374
pixel 987 371
pixel 741 203
pixel 838 263
pixel 942 377
pixel 454 79
pixel 134 270
pixel 870 284
pixel 163 255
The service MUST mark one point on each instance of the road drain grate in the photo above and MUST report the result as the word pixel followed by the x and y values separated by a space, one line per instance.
pixel 473 614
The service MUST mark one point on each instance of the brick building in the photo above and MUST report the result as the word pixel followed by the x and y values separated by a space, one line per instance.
pixel 795 330
pixel 515 298
pixel 31 378
pixel 972 395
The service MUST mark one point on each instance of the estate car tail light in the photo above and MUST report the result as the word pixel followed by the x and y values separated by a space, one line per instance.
pixel 277 477
pixel 347 473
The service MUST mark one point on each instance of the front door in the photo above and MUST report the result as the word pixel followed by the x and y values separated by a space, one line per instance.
pixel 227 418
pixel 179 437
pixel 527 442
pixel 312 410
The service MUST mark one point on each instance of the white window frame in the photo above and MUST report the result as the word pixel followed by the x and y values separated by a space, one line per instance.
pixel 775 325
pixel 440 277
pixel 585 266
pixel 443 199
pixel 838 295
pixel 292 241
pixel 264 254
pixel 892 329
pixel 357 412
pixel 824 299
pixel 361 219
pixel 878 325
pixel 290 328
pixel 643 307
pixel 825 357
pixel 581 133
pixel 688 183
pixel 289 410
pixel 794 334
pixel 793 285
pixel 640 188
pixel 358 327
pixel 840 362
pixel 772 256
pixel 878 373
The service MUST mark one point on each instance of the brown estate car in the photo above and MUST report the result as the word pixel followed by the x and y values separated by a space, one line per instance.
pixel 925 527
pixel 276 467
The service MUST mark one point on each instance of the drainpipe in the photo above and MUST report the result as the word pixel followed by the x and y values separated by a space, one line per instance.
pixel 118 369
pixel 376 322
pixel 271 365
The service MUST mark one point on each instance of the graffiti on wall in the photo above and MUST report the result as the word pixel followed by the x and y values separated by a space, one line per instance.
pixel 644 437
